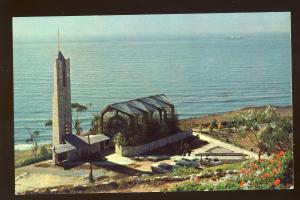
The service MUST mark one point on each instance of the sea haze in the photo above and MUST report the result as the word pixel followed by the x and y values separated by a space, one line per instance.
pixel 200 75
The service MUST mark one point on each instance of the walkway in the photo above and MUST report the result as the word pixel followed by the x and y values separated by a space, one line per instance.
pixel 217 143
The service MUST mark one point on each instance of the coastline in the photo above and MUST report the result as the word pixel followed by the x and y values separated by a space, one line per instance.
pixel 191 122
pixel 223 116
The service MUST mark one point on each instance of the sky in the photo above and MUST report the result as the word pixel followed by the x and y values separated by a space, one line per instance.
pixel 83 27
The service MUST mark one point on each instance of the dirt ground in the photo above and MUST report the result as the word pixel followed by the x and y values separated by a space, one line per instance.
pixel 194 122
pixel 248 143
pixel 44 174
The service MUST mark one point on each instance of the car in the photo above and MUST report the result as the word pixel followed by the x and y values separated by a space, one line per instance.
pixel 185 161
pixel 210 162
pixel 161 168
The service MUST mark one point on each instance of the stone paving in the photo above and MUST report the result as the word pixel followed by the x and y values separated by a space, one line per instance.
pixel 216 143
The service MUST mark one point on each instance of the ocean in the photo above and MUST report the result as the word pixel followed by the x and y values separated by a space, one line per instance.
pixel 200 75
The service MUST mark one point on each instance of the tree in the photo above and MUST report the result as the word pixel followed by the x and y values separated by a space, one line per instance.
pixel 33 140
pixel 79 109
pixel 48 123
pixel 278 134
pixel 255 123
pixel 91 177
pixel 95 124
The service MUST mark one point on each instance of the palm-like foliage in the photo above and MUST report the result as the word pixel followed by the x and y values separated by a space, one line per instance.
pixel 79 109
pixel 48 123
pixel 33 139
pixel 95 124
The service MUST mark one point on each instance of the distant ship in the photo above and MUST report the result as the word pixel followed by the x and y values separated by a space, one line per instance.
pixel 234 37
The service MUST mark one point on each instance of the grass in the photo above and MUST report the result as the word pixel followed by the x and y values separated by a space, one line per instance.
pixel 26 157
pixel 184 171
pixel 224 167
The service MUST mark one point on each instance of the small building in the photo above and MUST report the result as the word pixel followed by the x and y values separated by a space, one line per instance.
pixel 77 147
pixel 128 115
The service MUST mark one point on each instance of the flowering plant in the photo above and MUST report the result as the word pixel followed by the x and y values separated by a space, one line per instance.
pixel 273 173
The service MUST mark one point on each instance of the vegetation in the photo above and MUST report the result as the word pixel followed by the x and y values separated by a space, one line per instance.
pixel 267 127
pixel 95 124
pixel 273 173
pixel 48 123
pixel 33 140
pixel 184 171
pixel 79 109
pixel 279 134
pixel 24 157
pixel 146 132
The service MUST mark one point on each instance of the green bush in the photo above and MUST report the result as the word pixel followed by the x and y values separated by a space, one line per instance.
pixel 181 171
pixel 33 160
pixel 120 139
pixel 44 151
pixel 213 123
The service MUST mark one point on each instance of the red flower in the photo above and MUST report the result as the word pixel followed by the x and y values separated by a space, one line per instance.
pixel 265 175
pixel 275 171
pixel 242 183
pixel 254 166
pixel 278 165
pixel 243 170
pixel 281 153
pixel 276 182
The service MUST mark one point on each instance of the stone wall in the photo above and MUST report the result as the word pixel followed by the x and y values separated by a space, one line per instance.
pixel 130 151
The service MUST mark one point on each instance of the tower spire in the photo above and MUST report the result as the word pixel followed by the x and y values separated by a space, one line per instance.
pixel 58 40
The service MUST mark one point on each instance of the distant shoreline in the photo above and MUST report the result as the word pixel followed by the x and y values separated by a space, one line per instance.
pixel 287 110
pixel 196 121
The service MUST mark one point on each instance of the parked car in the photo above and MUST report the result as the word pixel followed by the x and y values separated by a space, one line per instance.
pixel 210 162
pixel 161 168
pixel 187 161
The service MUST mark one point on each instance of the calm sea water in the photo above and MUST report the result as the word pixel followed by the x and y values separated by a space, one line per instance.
pixel 200 75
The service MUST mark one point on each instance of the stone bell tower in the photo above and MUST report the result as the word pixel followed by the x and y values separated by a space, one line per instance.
pixel 61 99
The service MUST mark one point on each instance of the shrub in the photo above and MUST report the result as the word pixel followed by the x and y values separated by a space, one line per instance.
pixel 274 173
pixel 44 151
pixel 181 171
pixel 120 139
pixel 220 126
pixel 224 123
pixel 33 160
pixel 213 123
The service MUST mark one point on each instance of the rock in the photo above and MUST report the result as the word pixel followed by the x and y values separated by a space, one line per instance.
pixel 54 190
pixel 145 175
pixel 192 177
pixel 227 177
pixel 105 183
pixel 221 174
pixel 200 174
pixel 207 175
pixel 112 183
